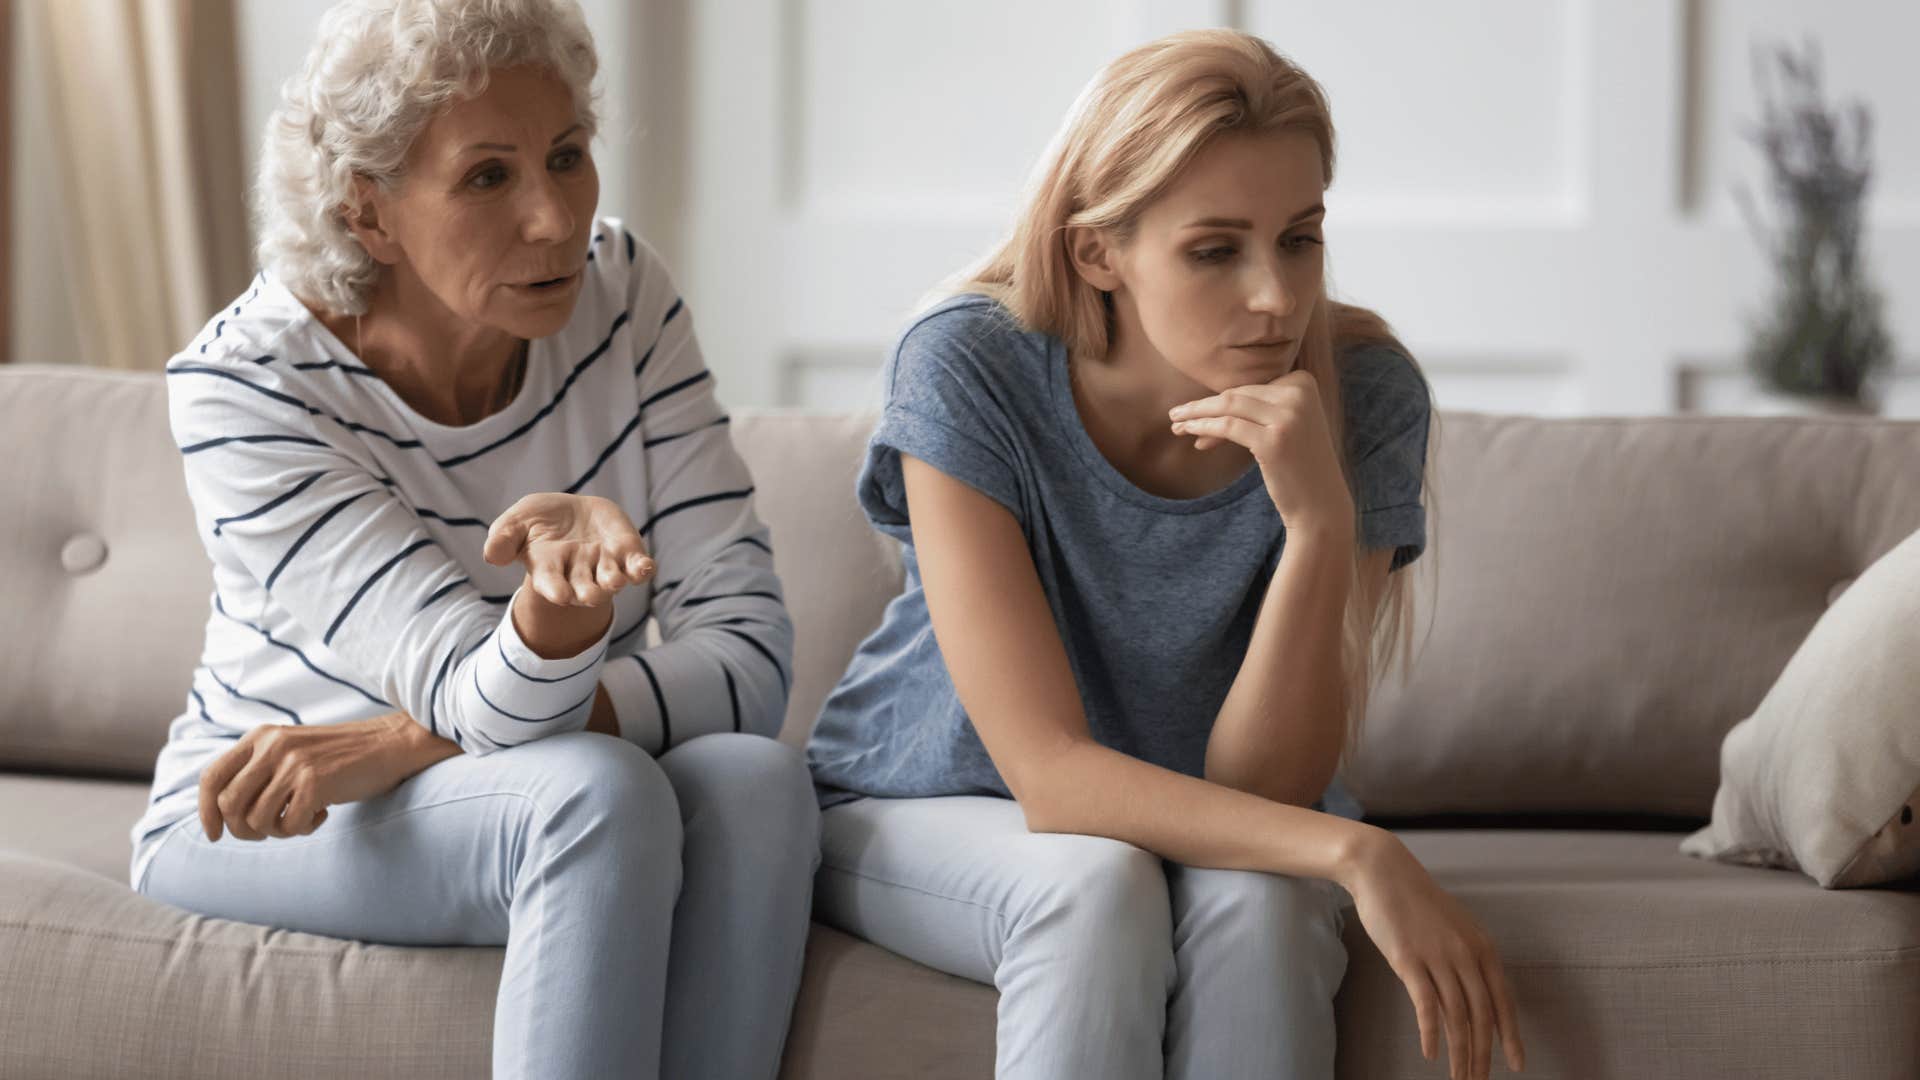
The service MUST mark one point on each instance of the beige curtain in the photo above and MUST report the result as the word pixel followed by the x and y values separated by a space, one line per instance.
pixel 146 134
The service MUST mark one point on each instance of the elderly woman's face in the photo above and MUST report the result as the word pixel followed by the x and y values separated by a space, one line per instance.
pixel 496 209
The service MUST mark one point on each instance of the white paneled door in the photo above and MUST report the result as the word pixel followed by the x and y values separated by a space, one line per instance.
pixel 1536 193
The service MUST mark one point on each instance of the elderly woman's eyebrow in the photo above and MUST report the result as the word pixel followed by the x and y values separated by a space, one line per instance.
pixel 506 148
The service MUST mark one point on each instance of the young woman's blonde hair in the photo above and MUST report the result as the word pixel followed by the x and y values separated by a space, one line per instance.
pixel 1130 133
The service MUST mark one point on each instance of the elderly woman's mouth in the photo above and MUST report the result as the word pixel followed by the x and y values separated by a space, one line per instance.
pixel 548 285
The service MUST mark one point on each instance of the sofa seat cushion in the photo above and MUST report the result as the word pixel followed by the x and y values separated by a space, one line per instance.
pixel 79 821
pixel 1627 959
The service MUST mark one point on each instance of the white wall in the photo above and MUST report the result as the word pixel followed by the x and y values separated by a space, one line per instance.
pixel 1535 192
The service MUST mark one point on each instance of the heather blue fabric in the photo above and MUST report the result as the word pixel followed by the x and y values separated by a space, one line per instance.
pixel 1155 598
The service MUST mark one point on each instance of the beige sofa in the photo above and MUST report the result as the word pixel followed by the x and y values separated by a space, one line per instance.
pixel 1612 596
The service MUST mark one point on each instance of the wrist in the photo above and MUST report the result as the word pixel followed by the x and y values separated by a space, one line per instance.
pixel 1329 533
pixel 556 631
pixel 1362 853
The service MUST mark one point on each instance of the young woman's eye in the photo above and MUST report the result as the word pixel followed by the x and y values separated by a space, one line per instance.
pixel 1300 242
pixel 490 176
pixel 1212 254
pixel 567 159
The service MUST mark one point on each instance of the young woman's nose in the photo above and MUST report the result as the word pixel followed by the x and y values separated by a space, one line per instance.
pixel 1268 291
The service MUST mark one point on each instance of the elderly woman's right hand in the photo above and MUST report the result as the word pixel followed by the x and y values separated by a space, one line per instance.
pixel 579 550
pixel 1446 961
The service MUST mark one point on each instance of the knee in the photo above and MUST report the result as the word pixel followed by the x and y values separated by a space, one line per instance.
pixel 1106 887
pixel 1252 907
pixel 752 787
pixel 588 782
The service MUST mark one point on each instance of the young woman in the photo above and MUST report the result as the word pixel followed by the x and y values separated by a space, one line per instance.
pixel 1153 487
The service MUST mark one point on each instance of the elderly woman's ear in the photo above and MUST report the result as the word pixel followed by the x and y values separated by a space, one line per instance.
pixel 362 218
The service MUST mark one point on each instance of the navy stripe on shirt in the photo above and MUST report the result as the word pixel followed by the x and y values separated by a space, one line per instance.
pixel 696 601
pixel 575 487
pixel 664 320
pixel 290 714
pixel 433 694
pixel 689 504
pixel 327 638
pixel 221 607
pixel 648 444
pixel 269 505
pixel 547 409
pixel 690 380
pixel 442 591
pixel 308 535
pixel 659 699
pixel 733 695
pixel 588 666
pixel 529 719
pixel 289 399
pixel 224 440
pixel 759 648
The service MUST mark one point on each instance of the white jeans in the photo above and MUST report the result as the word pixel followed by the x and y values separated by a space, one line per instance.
pixel 1110 962
pixel 654 913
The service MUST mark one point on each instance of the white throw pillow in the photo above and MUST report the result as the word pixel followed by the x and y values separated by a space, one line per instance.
pixel 1824 777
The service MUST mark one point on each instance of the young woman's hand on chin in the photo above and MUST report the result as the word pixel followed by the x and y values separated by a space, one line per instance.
pixel 1447 963
pixel 1283 424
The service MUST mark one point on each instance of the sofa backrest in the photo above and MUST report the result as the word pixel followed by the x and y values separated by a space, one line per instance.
pixel 1608 596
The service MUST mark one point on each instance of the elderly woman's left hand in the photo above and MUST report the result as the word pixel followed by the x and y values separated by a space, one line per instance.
pixel 579 550
pixel 278 780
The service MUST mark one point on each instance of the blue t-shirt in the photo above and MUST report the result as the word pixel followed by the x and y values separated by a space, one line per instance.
pixel 1154 598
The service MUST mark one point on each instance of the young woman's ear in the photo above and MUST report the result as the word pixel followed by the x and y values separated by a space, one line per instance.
pixel 362 218
pixel 1092 252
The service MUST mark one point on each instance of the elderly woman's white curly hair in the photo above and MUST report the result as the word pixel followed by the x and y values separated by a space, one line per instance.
pixel 379 71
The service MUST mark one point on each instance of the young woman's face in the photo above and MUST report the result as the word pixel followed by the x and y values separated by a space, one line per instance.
pixel 1223 268
pixel 496 209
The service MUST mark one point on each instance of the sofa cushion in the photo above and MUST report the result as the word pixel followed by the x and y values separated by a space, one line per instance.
pixel 79 821
pixel 1609 604
pixel 1823 776
pixel 1627 959
pixel 107 586
pixel 1613 595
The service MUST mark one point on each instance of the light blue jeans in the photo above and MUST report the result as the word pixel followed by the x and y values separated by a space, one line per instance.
pixel 573 852
pixel 1109 961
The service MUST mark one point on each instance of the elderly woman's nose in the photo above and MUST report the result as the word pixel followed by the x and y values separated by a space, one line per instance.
pixel 545 215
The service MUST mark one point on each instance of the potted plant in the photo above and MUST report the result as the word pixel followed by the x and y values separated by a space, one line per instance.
pixel 1821 343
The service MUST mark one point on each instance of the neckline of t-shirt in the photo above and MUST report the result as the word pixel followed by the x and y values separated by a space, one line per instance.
pixel 453 436
pixel 1061 391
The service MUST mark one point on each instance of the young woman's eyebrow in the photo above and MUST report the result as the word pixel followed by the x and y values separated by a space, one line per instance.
pixel 1243 223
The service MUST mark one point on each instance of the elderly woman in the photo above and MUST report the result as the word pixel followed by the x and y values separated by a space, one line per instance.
pixel 418 448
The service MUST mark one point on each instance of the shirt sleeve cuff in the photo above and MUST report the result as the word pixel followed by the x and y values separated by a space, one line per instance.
pixel 525 685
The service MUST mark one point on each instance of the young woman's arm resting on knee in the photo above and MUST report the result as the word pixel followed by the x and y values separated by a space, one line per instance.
pixel 996 632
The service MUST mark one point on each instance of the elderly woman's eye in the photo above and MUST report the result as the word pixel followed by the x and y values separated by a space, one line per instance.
pixel 568 158
pixel 491 176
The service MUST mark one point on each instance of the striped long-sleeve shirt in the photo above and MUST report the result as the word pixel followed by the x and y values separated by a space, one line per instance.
pixel 345 532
